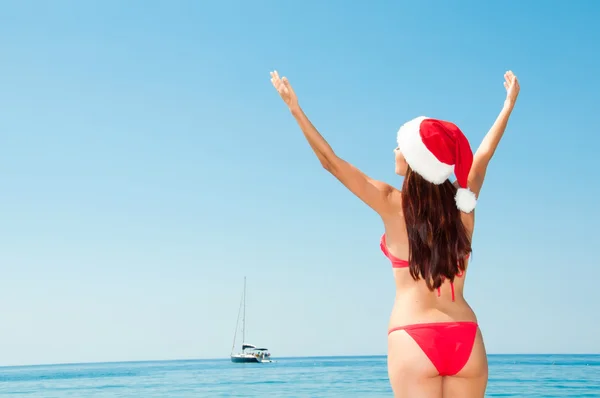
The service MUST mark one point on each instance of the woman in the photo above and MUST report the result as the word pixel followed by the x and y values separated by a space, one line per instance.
pixel 435 348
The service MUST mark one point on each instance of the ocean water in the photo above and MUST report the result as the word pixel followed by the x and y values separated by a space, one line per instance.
pixel 510 376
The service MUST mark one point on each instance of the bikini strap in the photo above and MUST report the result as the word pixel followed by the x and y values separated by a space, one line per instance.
pixel 439 289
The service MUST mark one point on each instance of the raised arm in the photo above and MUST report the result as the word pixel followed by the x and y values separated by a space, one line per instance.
pixel 372 192
pixel 488 146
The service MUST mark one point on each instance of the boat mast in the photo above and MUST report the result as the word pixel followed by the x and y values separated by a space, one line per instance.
pixel 244 319
pixel 237 324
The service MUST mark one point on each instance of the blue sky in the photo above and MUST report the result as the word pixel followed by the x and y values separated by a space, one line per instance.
pixel 147 165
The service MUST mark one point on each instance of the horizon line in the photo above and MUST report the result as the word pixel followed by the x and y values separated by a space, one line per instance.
pixel 281 357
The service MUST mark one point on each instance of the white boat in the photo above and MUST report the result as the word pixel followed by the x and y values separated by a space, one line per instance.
pixel 249 353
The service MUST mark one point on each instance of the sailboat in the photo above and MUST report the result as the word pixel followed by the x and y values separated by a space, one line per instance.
pixel 250 353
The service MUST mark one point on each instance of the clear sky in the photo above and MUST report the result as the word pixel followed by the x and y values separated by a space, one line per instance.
pixel 147 165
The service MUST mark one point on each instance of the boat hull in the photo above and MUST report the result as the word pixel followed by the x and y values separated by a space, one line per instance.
pixel 244 359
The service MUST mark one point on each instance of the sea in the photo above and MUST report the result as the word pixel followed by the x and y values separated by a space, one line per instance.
pixel 510 376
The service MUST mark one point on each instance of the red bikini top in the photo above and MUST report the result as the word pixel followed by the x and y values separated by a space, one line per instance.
pixel 399 263
pixel 396 262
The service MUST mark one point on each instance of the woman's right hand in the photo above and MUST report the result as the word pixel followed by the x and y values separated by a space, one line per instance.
pixel 511 84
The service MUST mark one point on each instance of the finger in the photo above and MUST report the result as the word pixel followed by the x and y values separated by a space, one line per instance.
pixel 288 86
pixel 506 85
pixel 277 85
pixel 281 88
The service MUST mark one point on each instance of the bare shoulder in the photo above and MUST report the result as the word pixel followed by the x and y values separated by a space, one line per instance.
pixel 387 189
pixel 468 220
pixel 375 193
pixel 394 196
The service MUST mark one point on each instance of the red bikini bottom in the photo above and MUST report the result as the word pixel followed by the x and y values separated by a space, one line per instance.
pixel 448 345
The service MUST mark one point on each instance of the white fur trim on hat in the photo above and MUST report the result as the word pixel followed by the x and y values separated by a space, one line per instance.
pixel 418 157
pixel 465 200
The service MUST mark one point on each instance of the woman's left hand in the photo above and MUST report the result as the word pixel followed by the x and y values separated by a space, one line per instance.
pixel 285 90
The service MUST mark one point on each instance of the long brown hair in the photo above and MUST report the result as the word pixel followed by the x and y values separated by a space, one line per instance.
pixel 438 240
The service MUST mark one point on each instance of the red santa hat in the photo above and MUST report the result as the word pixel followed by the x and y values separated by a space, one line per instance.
pixel 434 149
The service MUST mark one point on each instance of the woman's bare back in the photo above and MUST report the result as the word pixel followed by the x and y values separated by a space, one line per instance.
pixel 411 372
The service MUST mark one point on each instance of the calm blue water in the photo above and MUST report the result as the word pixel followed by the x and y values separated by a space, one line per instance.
pixel 510 376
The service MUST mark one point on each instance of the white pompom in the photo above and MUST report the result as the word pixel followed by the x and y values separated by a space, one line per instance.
pixel 465 200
